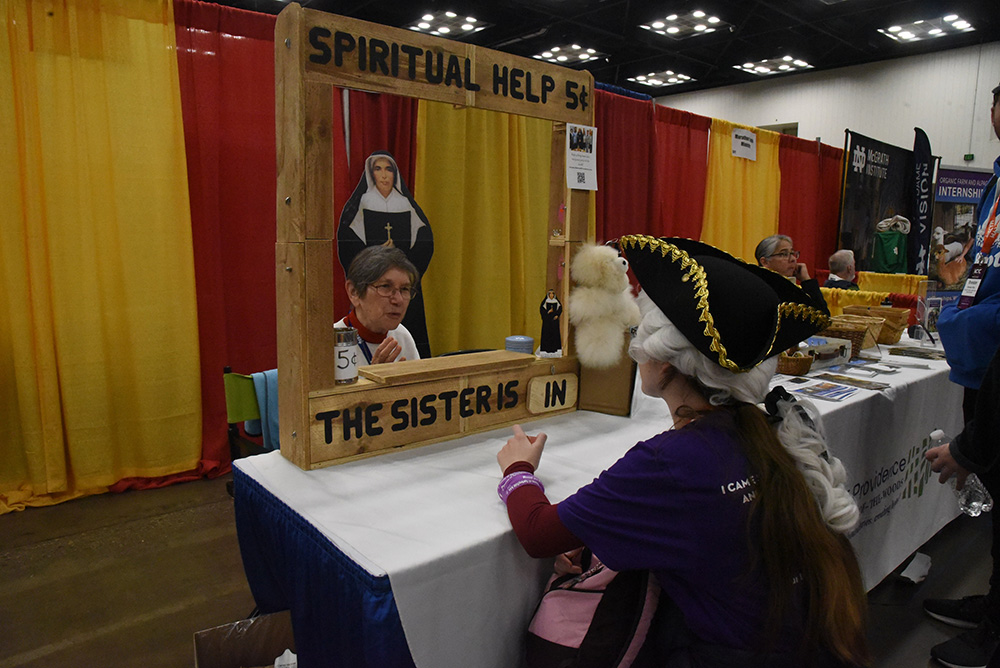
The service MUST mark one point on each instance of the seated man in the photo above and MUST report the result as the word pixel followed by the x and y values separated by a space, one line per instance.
pixel 380 284
pixel 842 271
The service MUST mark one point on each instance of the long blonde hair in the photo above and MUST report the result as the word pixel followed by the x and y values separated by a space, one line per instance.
pixel 802 510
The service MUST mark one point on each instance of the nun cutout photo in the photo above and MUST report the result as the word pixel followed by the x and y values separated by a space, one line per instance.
pixel 382 212
pixel 551 341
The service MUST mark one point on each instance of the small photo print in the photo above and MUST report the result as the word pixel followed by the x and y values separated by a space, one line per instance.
pixel 827 391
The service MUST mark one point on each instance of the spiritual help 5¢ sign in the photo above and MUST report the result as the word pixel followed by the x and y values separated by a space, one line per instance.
pixel 368 56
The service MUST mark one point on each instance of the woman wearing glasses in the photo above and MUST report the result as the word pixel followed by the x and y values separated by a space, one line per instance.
pixel 776 253
pixel 382 212
pixel 380 284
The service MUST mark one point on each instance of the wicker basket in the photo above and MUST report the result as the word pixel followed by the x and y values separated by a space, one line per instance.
pixel 896 320
pixel 855 329
pixel 794 366
pixel 873 323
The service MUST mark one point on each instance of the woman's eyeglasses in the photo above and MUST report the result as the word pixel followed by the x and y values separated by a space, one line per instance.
pixel 785 254
pixel 387 291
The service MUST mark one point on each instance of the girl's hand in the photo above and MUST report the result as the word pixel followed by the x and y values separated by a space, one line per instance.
pixel 521 448
pixel 568 562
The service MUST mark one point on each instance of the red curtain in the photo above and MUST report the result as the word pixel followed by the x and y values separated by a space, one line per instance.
pixel 381 122
pixel 681 173
pixel 378 122
pixel 225 60
pixel 810 197
pixel 624 165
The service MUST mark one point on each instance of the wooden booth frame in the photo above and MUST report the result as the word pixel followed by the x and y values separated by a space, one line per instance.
pixel 421 401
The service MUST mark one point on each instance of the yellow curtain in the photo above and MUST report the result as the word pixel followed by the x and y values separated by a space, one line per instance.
pixel 482 177
pixel 907 284
pixel 837 299
pixel 742 195
pixel 98 329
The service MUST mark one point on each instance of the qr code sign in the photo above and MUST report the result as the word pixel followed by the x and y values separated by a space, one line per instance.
pixel 581 177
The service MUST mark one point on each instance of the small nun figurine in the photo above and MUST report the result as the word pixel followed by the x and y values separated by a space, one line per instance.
pixel 551 310
pixel 382 212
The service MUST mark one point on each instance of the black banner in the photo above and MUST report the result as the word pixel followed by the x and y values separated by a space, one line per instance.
pixel 877 188
pixel 923 204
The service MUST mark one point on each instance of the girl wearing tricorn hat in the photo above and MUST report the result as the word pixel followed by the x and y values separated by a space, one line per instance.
pixel 765 575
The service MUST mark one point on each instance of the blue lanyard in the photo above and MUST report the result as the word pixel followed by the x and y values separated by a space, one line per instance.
pixel 364 349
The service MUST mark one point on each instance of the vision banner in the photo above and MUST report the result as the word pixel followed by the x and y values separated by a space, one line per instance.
pixel 923 199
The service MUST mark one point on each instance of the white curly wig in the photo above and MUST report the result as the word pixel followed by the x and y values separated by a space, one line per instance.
pixel 799 430
pixel 658 339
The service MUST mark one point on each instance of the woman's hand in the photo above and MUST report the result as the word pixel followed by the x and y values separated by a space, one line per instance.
pixel 387 351
pixel 942 462
pixel 801 273
pixel 521 448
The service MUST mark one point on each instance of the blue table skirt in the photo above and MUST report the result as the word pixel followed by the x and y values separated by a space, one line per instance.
pixel 342 615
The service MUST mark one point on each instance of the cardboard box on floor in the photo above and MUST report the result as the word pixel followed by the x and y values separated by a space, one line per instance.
pixel 247 643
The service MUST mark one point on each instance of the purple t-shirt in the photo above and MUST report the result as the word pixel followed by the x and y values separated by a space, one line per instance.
pixel 678 505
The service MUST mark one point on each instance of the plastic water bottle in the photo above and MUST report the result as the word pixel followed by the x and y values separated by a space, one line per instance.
pixel 973 498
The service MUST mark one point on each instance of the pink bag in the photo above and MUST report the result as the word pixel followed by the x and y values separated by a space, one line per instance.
pixel 598 619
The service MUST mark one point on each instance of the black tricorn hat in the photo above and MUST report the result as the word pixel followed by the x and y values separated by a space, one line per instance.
pixel 736 314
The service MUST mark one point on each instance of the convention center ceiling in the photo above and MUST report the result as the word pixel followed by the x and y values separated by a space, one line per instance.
pixel 674 46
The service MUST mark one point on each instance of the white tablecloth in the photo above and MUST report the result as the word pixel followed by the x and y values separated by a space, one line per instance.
pixel 430 518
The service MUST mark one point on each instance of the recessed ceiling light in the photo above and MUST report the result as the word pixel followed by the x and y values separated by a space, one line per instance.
pixel 570 54
pixel 774 66
pixel 448 23
pixel 927 28
pixel 661 79
pixel 681 26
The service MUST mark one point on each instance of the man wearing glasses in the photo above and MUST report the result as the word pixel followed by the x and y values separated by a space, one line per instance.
pixel 380 284
pixel 776 253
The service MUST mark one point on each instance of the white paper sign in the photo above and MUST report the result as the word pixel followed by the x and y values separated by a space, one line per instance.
pixel 581 157
pixel 744 144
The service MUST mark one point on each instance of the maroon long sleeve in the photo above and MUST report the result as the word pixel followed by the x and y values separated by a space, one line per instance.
pixel 536 521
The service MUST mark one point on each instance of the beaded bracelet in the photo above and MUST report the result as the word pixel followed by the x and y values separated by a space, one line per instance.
pixel 515 480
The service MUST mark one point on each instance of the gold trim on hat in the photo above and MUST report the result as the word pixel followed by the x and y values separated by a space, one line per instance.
pixel 695 272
